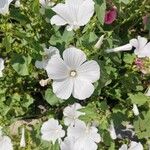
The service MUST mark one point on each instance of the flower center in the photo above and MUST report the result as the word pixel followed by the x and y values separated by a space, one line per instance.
pixel 73 73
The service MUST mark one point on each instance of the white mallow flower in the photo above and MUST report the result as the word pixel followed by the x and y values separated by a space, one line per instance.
pixel 140 44
pixel 133 146
pixel 72 113
pixel 112 131
pixel 5 142
pixel 147 93
pixel 22 141
pixel 4 6
pixel 47 55
pixel 52 131
pixel 135 110
pixel 86 137
pixel 1 67
pixel 74 13
pixel 73 75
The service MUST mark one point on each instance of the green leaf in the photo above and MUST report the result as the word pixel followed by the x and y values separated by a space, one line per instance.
pixel 139 98
pixel 51 98
pixel 21 64
pixel 142 125
pixel 100 10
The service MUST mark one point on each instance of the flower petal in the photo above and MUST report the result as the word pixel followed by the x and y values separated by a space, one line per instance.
pixel 74 57
pixel 85 12
pixel 63 89
pixel 123 147
pixel 63 14
pixel 82 89
pixel 142 42
pixel 90 71
pixel 126 47
pixel 57 20
pixel 56 69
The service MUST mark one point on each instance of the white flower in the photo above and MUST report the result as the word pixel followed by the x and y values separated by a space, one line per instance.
pixel 22 141
pixel 133 146
pixel 1 66
pixel 5 142
pixel 140 44
pixel 71 114
pixel 52 131
pixel 47 55
pixel 135 110
pixel 4 6
pixel 112 131
pixel 73 75
pixel 99 42
pixel 46 3
pixel 67 144
pixel 74 13
pixel 86 137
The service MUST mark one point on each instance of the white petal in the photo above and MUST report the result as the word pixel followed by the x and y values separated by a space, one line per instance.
pixel 134 43
pixel 74 57
pixel 123 147
pixel 85 144
pixel 82 89
pixel 56 68
pixel 76 131
pixel 5 143
pixel 62 11
pixel 85 12
pixel 94 135
pixel 68 144
pixel 135 146
pixel 126 47
pixel 135 110
pixel 90 71
pixel 145 52
pixel 63 89
pixel 57 20
pixel 142 42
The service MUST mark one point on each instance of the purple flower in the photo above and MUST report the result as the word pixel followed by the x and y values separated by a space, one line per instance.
pixel 111 15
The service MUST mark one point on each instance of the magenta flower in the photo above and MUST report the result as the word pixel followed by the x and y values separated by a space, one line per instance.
pixel 110 15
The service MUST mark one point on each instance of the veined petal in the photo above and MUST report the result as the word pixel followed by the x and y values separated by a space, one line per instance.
pixel 126 47
pixel 74 57
pixel 6 143
pixel 82 89
pixel 85 12
pixel 135 146
pixel 142 42
pixel 57 20
pixel 145 52
pixel 56 69
pixel 62 11
pixel 123 147
pixel 63 89
pixel 90 71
